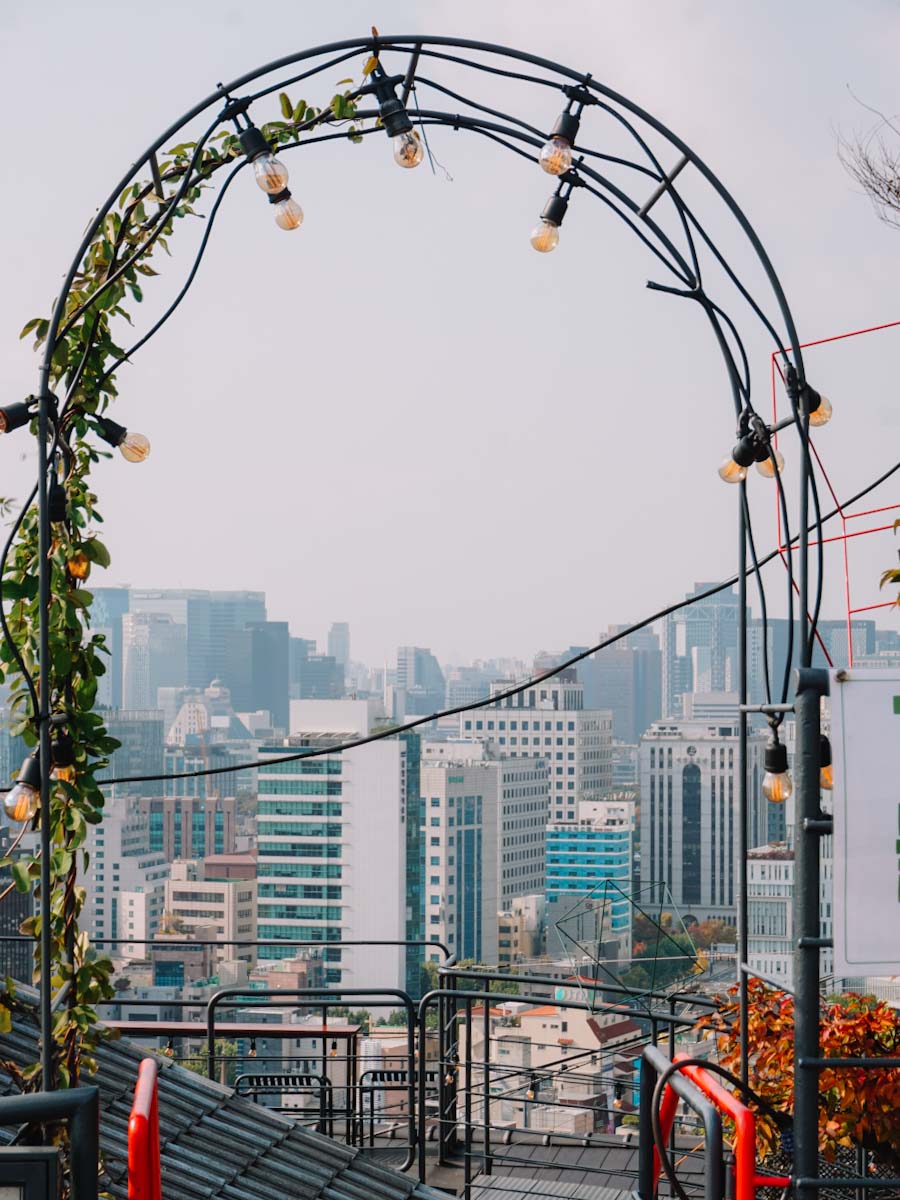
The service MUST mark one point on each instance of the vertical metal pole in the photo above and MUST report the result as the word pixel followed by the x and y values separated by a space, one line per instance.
pixel 743 927
pixel 43 715
pixel 811 684
pixel 486 1090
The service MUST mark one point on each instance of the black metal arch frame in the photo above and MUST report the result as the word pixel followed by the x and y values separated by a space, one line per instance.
pixel 592 174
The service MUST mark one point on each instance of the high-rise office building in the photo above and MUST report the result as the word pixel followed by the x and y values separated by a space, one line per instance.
pixel 689 803
pixel 257 669
pixel 313 676
pixel 229 614
pixel 142 735
pixel 550 721
pixel 626 678
pixel 700 648
pixel 591 855
pixel 332 855
pixel 420 687
pixel 154 655
pixel 189 827
pixel 192 609
pixel 339 643
pixel 483 844
pixel 109 606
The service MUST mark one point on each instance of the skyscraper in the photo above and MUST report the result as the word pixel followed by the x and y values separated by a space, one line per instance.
pixel 190 608
pixel 700 648
pixel 229 613
pixel 689 803
pixel 110 605
pixel 420 684
pixel 339 643
pixel 154 655
pixel 626 678
pixel 257 669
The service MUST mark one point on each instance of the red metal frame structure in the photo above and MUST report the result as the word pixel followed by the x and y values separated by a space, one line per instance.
pixel 844 536
pixel 144 1182
pixel 746 1178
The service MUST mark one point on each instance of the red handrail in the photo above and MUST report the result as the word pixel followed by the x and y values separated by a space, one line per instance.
pixel 143 1136
pixel 746 1178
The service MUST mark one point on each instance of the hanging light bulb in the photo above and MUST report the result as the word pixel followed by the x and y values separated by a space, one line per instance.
pixel 826 770
pixel 271 173
pixel 170 1049
pixel 63 751
pixel 333 1050
pixel 532 1088
pixel 288 213
pixel 408 148
pixel 133 447
pixel 734 469
pixel 252 1051
pixel 556 155
pixel 818 407
pixel 545 236
pixel 777 785
pixel 22 801
pixel 766 466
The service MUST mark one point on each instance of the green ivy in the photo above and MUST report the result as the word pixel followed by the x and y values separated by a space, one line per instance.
pixel 110 278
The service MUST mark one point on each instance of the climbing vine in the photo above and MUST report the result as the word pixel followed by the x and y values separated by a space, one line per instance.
pixel 109 280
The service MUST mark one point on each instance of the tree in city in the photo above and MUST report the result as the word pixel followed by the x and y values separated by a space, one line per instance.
pixel 856 1107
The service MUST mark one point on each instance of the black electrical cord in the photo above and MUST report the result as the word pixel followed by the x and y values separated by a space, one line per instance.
pixel 782 1120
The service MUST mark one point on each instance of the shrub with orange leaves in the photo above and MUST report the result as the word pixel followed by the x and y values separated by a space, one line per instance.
pixel 856 1106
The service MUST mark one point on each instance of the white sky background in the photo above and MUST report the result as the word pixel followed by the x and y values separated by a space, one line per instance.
pixel 400 415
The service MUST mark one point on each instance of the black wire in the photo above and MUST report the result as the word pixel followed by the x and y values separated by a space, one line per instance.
pixel 776 719
pixel 465 62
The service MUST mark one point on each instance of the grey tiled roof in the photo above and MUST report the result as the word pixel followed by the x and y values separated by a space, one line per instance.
pixel 216 1145
pixel 506 1187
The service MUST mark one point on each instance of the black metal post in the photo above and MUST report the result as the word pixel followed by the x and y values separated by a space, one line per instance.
pixel 743 924
pixel 81 1108
pixel 811 685
pixel 43 717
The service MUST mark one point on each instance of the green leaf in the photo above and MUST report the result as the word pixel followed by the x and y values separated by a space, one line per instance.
pixel 96 552
pixel 287 109
pixel 20 877
pixel 32 324
pixel 5 1020
pixel 300 111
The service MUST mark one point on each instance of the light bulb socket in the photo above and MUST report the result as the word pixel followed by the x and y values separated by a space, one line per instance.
pixel 277 197
pixel 566 126
pixel 776 758
pixel 14 416
pixel 824 751
pixel 744 453
pixel 761 451
pixel 30 772
pixel 57 502
pixel 391 109
pixel 253 143
pixel 63 751
pixel 555 209
pixel 111 431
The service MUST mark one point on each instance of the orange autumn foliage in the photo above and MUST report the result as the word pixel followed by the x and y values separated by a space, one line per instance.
pixel 856 1106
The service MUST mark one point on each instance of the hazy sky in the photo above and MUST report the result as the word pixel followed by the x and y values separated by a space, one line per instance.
pixel 400 415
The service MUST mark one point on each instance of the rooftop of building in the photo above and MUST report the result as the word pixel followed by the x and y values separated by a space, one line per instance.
pixel 774 851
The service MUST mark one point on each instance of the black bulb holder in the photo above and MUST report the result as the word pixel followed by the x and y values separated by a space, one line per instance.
pixel 811 398
pixel 391 108
pixel 566 127
pixel 555 209
pixel 63 751
pixel 776 759
pixel 111 431
pixel 14 416
pixel 253 144
pixel 277 197
pixel 30 771
pixel 824 751
pixel 57 502
pixel 744 453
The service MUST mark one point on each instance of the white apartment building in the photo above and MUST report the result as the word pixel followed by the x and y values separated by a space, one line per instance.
pixel 550 721
pixel 483 842
pixel 125 880
pixel 226 905
pixel 332 855
pixel 689 802
pixel 770 915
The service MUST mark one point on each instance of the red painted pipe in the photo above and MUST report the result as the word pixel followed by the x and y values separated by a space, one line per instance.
pixel 144 1181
